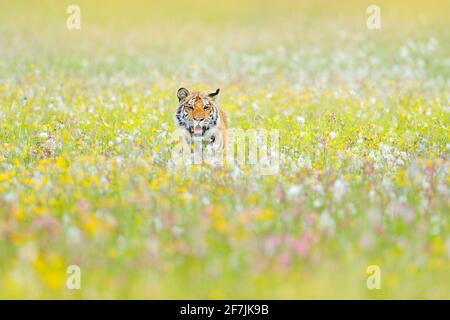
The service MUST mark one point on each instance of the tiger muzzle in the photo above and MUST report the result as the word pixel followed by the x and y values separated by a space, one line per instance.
pixel 197 128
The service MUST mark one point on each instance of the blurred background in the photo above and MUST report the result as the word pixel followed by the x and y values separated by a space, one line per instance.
pixel 226 42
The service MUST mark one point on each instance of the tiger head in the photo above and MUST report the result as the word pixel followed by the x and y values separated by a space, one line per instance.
pixel 197 112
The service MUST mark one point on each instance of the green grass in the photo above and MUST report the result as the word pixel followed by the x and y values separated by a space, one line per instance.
pixel 85 121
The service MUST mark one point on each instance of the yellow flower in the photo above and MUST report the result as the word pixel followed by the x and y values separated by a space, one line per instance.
pixel 437 246
pixel 91 225
pixel 5 177
pixel 264 215
pixel 18 214
pixel 60 163
pixel 50 270
pixel 221 226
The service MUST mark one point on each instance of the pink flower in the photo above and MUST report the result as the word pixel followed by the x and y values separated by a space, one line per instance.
pixel 300 246
pixel 285 259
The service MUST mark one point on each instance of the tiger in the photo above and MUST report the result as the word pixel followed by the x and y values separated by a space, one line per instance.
pixel 199 114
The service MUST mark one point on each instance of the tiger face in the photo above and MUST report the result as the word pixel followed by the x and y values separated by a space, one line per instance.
pixel 197 112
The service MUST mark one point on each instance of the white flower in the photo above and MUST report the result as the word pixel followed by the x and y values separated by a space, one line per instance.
pixel 74 235
pixel 300 120
pixel 332 135
pixel 326 221
pixel 294 191
pixel 339 188
pixel 205 201
pixel 317 203
pixel 177 231
pixel 304 163
pixel 43 135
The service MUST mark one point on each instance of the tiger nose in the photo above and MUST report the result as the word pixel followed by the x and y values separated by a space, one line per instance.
pixel 199 118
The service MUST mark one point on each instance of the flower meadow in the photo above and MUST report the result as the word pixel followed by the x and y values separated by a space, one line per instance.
pixel 363 118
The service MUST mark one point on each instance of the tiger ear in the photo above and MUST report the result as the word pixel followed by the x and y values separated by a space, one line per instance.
pixel 182 93
pixel 213 95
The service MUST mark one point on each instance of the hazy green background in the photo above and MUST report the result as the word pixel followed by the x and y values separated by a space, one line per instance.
pixel 72 193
